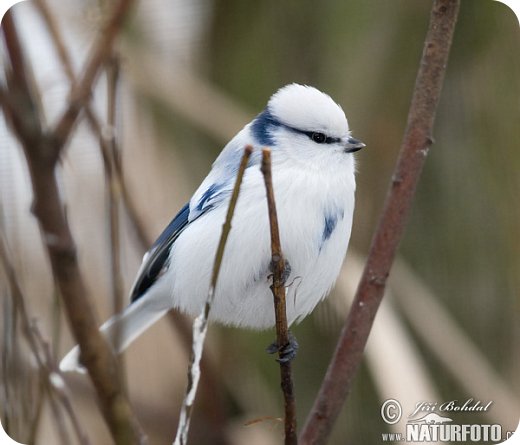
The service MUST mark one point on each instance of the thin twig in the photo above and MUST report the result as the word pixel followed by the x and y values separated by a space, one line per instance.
pixel 35 421
pixel 58 384
pixel 41 152
pixel 21 415
pixel 213 396
pixel 58 418
pixel 114 195
pixel 100 53
pixel 113 167
pixel 117 174
pixel 52 25
pixel 59 43
pixel 20 108
pixel 278 289
pixel 417 140
pixel 39 347
pixel 200 324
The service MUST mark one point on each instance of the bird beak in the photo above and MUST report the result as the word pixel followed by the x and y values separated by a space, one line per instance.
pixel 353 145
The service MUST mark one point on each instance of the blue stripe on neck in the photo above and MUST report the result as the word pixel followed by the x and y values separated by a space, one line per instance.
pixel 263 127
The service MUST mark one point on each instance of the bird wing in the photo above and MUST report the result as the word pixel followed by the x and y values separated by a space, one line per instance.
pixel 215 189
pixel 157 258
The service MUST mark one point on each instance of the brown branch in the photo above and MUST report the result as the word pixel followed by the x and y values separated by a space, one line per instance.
pixel 59 43
pixel 20 108
pixel 38 346
pixel 116 181
pixel 58 385
pixel 114 195
pixel 278 289
pixel 417 140
pixel 35 422
pixel 130 207
pixel 117 173
pixel 100 53
pixel 41 152
pixel 200 323
pixel 213 394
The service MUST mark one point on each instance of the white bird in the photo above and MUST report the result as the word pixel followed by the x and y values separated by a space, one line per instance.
pixel 313 180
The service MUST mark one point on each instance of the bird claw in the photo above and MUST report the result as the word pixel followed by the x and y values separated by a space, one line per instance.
pixel 287 352
pixel 286 273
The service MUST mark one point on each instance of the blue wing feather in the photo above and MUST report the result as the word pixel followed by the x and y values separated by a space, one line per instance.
pixel 158 254
pixel 218 191
pixel 210 198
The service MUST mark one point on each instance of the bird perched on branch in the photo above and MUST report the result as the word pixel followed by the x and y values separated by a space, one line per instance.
pixel 313 181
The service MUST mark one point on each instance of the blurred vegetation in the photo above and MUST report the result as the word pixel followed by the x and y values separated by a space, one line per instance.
pixel 462 238
pixel 463 234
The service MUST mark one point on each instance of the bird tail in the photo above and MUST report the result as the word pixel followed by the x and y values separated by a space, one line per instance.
pixel 128 325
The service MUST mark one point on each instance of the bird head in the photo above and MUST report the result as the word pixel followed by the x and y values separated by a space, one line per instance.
pixel 304 123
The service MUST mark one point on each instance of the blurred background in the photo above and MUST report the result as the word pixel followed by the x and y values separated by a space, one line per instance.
pixel 191 74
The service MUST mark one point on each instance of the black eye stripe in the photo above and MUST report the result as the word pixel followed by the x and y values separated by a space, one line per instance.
pixel 320 138
pixel 310 134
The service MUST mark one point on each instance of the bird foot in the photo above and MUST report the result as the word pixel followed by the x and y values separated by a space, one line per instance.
pixel 286 270
pixel 286 352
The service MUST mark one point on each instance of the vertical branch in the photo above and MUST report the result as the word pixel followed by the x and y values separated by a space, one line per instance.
pixel 93 121
pixel 21 408
pixel 81 90
pixel 200 324
pixel 58 385
pixel 412 156
pixel 42 151
pixel 116 181
pixel 114 189
pixel 278 289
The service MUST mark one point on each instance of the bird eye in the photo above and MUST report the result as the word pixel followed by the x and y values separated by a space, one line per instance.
pixel 319 138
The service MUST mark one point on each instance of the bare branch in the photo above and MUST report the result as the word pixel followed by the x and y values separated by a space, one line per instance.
pixel 18 103
pixel 58 384
pixel 117 174
pixel 41 152
pixel 116 183
pixel 59 43
pixel 114 195
pixel 278 289
pixel 39 347
pixel 200 324
pixel 100 53
pixel 417 140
